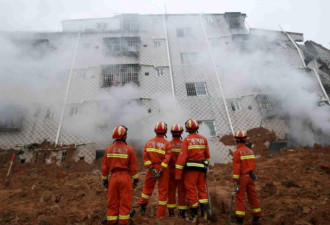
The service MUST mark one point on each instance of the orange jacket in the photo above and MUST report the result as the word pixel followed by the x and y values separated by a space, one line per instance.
pixel 119 157
pixel 194 148
pixel 157 151
pixel 176 149
pixel 243 161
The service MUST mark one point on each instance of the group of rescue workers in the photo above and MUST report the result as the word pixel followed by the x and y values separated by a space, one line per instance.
pixel 176 165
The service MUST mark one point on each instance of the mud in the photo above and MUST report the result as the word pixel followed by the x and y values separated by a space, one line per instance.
pixel 293 187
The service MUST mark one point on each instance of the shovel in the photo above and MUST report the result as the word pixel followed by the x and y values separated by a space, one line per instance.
pixel 210 212
pixel 10 166
pixel 236 189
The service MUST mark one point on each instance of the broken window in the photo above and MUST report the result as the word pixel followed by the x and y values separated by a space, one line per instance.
pixel 160 71
pixel 269 106
pixel 196 89
pixel 115 75
pixel 11 118
pixel 128 46
pixel 157 44
pixel 184 32
pixel 210 124
pixel 234 103
pixel 189 57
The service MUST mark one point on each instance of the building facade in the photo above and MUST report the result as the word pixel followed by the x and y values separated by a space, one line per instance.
pixel 186 61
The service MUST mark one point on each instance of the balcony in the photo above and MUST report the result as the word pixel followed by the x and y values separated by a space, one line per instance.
pixel 122 46
pixel 119 74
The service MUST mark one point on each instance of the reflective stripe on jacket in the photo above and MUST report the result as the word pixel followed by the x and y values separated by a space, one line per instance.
pixel 119 157
pixel 243 161
pixel 157 151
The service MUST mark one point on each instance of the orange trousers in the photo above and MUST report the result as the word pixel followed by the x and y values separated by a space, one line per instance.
pixel 120 194
pixel 172 187
pixel 246 185
pixel 195 185
pixel 148 188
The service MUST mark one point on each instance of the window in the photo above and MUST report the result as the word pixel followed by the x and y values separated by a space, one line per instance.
pixel 130 23
pixel 81 74
pixel 119 74
pixel 210 124
pixel 63 156
pixel 128 46
pixel 157 44
pixel 74 110
pixel 49 114
pixel 101 26
pixel 269 106
pixel 85 46
pixel 189 57
pixel 184 32
pixel 196 89
pixel 160 71
pixel 209 19
pixel 215 42
pixel 234 103
pixel 235 20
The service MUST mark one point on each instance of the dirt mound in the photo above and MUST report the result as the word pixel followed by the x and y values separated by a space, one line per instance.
pixel 293 186
pixel 259 139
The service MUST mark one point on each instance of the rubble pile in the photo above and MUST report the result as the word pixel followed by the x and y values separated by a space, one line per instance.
pixel 293 186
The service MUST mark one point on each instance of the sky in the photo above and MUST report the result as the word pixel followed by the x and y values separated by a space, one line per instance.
pixel 302 16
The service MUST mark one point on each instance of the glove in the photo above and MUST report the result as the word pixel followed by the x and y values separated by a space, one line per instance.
pixel 236 186
pixel 106 183
pixel 135 183
pixel 156 175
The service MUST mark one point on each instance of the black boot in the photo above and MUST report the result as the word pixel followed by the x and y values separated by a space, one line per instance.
pixel 143 209
pixel 104 221
pixel 183 214
pixel 192 218
pixel 171 212
pixel 256 220
pixel 239 220
pixel 203 211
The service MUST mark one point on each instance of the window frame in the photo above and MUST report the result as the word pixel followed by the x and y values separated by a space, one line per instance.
pixel 196 89
pixel 207 123
pixel 235 104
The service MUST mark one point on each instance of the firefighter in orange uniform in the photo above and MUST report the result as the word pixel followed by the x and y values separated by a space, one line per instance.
pixel 244 176
pixel 174 184
pixel 193 162
pixel 120 160
pixel 156 156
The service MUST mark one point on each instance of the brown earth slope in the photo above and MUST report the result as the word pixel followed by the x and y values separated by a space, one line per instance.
pixel 293 186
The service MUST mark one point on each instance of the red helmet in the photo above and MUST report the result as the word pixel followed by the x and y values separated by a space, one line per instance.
pixel 176 129
pixel 119 133
pixel 240 136
pixel 191 125
pixel 161 128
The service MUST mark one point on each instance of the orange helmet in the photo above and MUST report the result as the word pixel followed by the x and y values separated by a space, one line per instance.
pixel 119 133
pixel 161 128
pixel 191 125
pixel 176 129
pixel 240 136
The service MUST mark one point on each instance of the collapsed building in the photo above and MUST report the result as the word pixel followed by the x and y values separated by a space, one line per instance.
pixel 196 60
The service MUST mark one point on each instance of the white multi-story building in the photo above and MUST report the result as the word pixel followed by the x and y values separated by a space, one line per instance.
pixel 180 66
